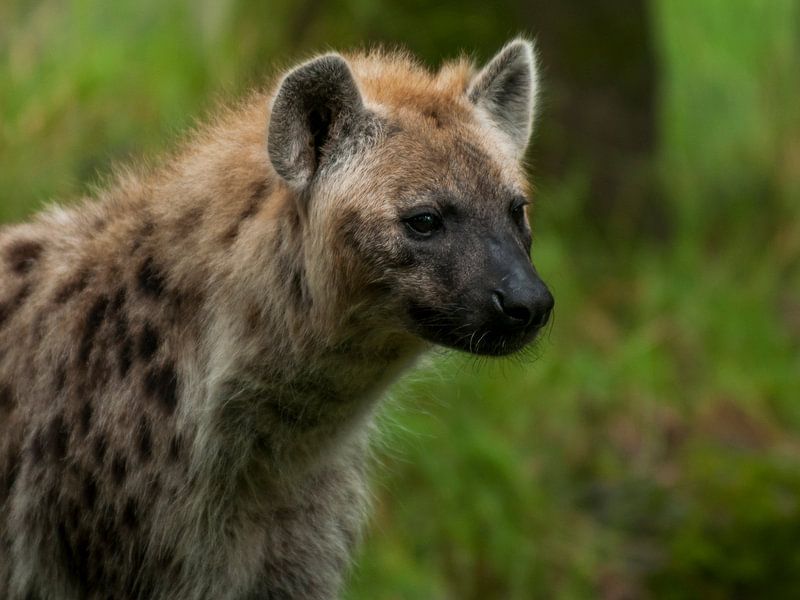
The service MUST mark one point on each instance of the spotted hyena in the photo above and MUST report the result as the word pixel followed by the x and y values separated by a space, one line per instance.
pixel 190 361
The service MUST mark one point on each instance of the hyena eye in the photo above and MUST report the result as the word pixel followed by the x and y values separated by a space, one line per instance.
pixel 424 224
pixel 518 210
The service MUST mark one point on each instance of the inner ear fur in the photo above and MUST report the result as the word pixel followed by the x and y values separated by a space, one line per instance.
pixel 505 89
pixel 313 106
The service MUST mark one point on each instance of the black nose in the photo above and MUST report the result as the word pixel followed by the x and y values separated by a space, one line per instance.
pixel 524 306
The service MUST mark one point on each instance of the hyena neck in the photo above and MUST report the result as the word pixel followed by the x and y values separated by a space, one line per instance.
pixel 296 373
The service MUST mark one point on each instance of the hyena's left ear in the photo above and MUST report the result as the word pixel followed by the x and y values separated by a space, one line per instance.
pixel 505 90
pixel 315 107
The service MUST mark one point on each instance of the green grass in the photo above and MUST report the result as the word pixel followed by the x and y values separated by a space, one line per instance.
pixel 730 114
pixel 653 448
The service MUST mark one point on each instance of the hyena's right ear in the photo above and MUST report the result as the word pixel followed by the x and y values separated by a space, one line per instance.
pixel 315 106
pixel 505 91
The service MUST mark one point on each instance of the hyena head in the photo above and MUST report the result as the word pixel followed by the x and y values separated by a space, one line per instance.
pixel 413 193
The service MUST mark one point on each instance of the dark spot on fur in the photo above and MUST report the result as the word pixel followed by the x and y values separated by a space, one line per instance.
pixel 104 533
pixel 75 550
pixel 189 222
pixel 285 266
pixel 154 488
pixel 148 342
pixel 72 287
pixel 97 572
pixel 161 384
pixel 119 469
pixel 231 233
pixel 175 448
pixel 66 546
pixel 121 335
pixel 125 357
pixel 75 470
pixel 263 446
pixel 299 290
pixel 314 385
pixel 100 223
pixel 257 195
pixel 294 416
pixel 145 231
pixel 85 418
pixel 6 398
pixel 22 255
pixel 58 437
pixel 259 190
pixel 8 476
pixel 8 308
pixel 37 327
pixel 130 516
pixel 60 380
pixel 433 115
pixel 291 269
pixel 99 447
pixel 251 208
pixel 51 495
pixel 82 558
pixel 185 304
pixel 21 295
pixel 390 129
pixel 99 371
pixel 167 563
pixel 151 281
pixel 345 347
pixel 117 303
pixel 353 231
pixel 37 446
pixel 73 514
pixel 144 440
pixel 94 320
pixel 89 492
pixel 254 322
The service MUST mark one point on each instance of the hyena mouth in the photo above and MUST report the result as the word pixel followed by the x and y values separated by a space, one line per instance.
pixel 488 338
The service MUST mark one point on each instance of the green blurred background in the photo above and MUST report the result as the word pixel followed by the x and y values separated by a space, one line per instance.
pixel 653 449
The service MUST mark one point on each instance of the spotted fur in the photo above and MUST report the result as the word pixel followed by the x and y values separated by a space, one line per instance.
pixel 189 362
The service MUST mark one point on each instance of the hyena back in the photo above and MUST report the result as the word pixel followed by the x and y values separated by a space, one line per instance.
pixel 189 361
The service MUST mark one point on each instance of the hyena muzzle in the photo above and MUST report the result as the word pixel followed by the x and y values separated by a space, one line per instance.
pixel 189 363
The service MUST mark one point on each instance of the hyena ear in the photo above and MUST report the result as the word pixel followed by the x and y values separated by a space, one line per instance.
pixel 314 108
pixel 505 90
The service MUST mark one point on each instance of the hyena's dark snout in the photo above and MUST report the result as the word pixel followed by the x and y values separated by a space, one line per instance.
pixel 520 299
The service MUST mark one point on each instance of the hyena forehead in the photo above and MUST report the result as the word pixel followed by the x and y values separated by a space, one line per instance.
pixel 454 118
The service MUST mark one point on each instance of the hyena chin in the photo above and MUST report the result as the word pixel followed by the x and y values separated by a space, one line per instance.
pixel 189 362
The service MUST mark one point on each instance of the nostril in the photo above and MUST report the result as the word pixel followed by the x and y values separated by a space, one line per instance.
pixel 518 313
pixel 515 314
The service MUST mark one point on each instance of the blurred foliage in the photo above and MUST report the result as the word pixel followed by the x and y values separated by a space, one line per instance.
pixel 653 449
